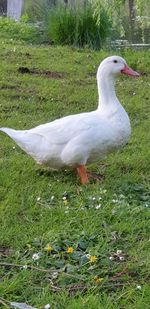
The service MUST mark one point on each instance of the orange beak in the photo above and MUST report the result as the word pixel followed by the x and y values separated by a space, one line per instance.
pixel 129 71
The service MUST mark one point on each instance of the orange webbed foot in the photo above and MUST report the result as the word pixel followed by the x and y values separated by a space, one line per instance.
pixel 81 170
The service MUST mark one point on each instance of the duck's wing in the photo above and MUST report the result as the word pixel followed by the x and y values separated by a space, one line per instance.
pixel 61 131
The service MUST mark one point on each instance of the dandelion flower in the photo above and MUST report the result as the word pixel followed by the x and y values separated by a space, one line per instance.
pixel 93 259
pixel 98 279
pixel 70 250
pixel 48 248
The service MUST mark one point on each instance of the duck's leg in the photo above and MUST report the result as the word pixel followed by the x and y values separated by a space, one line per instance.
pixel 81 170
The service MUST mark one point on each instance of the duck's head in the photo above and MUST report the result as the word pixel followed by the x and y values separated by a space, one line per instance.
pixel 114 65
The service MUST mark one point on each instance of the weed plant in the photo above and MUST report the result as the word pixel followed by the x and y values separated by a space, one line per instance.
pixel 77 26
pixel 22 31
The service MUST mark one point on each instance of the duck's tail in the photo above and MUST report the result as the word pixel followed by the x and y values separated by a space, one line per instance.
pixel 14 134
pixel 26 140
pixel 19 136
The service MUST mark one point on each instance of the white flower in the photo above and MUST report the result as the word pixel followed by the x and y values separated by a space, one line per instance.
pixel 64 198
pixel 98 206
pixel 103 191
pixel 52 197
pixel 38 198
pixel 111 258
pixel 25 266
pixel 47 306
pixel 14 147
pixel 121 196
pixel 121 258
pixel 88 256
pixel 119 251
pixel 114 201
pixel 55 275
pixel 35 256
pixel 93 198
pixel 138 287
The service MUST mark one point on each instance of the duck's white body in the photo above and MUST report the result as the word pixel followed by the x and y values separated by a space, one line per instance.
pixel 74 140
pixel 83 138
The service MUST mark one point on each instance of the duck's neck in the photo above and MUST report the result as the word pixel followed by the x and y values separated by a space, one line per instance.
pixel 106 92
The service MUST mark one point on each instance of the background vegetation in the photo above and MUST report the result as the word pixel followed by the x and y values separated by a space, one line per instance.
pixel 22 31
pixel 125 19
pixel 92 23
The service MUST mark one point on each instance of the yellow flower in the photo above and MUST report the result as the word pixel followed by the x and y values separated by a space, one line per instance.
pixel 65 202
pixel 29 246
pixel 48 248
pixel 93 259
pixel 70 250
pixel 98 279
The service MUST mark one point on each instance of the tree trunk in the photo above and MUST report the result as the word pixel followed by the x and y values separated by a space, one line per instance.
pixel 3 7
pixel 132 19
pixel 14 8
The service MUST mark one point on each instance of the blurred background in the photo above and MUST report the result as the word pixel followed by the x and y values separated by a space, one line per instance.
pixel 86 23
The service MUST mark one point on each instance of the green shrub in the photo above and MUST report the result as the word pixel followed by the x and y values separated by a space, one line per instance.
pixel 66 25
pixel 10 29
pixel 36 10
pixel 61 26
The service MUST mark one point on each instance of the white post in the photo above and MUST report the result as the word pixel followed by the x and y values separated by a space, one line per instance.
pixel 14 8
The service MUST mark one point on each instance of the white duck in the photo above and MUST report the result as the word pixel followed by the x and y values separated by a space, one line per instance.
pixel 75 140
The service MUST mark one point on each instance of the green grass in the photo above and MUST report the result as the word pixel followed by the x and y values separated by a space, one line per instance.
pixel 30 218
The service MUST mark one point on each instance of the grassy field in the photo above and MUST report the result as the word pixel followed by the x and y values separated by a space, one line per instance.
pixel 61 243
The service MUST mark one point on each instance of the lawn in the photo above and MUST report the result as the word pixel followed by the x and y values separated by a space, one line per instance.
pixel 61 243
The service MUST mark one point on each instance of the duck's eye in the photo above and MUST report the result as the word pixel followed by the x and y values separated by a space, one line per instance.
pixel 115 61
